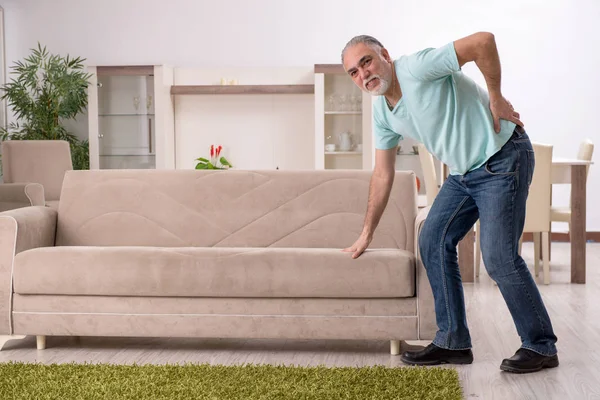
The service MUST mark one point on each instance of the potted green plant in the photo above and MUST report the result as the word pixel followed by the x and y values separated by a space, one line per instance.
pixel 46 90
pixel 216 160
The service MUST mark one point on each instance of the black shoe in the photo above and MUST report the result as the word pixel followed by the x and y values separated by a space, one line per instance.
pixel 433 355
pixel 526 360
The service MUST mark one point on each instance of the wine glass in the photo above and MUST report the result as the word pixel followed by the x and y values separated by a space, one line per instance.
pixel 343 99
pixel 332 102
pixel 355 102
pixel 359 102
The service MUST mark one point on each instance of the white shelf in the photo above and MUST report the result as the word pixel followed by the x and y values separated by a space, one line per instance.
pixel 242 89
pixel 126 115
pixel 343 153
pixel 331 119
pixel 128 155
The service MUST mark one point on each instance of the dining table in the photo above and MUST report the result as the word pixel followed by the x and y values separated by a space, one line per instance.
pixel 574 173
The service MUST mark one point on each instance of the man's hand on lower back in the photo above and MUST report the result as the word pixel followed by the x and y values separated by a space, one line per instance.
pixel 502 109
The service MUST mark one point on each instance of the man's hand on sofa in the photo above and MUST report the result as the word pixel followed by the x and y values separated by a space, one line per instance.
pixel 359 246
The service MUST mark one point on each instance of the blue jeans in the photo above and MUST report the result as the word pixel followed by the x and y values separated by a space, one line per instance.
pixel 496 194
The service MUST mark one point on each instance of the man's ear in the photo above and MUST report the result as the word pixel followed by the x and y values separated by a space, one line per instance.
pixel 386 55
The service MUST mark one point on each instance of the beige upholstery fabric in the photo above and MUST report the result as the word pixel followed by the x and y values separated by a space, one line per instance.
pixel 216 317
pixel 39 161
pixel 52 204
pixel 248 254
pixel 8 238
pixel 425 302
pixel 36 227
pixel 214 305
pixel 221 272
pixel 560 214
pixel 20 229
pixel 539 200
pixel 17 195
pixel 307 209
pixel 539 203
pixel 216 326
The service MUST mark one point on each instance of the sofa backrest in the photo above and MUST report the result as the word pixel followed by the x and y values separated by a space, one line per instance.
pixel 37 161
pixel 233 208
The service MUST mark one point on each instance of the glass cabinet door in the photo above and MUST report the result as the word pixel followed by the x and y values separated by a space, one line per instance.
pixel 126 122
pixel 125 118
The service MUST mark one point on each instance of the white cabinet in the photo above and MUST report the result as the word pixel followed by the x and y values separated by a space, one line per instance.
pixel 124 133
pixel 342 121
pixel 342 108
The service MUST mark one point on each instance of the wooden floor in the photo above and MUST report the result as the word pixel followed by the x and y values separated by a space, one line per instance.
pixel 575 311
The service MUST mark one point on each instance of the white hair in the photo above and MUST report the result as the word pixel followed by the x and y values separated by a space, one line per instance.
pixel 366 39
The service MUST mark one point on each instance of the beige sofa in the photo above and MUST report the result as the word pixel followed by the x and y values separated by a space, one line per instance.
pixel 227 254
pixel 17 195
pixel 37 161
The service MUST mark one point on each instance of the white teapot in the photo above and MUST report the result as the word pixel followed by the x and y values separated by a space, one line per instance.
pixel 345 139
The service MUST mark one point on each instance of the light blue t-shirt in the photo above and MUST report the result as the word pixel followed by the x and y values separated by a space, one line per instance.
pixel 441 108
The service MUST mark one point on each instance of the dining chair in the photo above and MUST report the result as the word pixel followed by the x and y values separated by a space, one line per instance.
pixel 537 212
pixel 562 213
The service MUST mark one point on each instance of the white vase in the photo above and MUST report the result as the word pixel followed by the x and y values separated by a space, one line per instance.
pixel 345 139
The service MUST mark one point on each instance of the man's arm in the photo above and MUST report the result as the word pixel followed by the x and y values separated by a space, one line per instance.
pixel 379 193
pixel 481 48
pixel 380 188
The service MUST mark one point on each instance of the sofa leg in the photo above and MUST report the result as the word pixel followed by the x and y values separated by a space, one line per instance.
pixel 6 338
pixel 41 342
pixel 394 347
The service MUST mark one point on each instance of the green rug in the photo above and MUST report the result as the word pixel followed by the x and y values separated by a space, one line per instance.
pixel 211 382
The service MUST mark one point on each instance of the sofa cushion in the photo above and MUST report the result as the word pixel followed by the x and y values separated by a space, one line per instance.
pixel 214 272
pixel 234 208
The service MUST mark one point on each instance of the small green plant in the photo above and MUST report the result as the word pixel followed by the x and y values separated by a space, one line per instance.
pixel 47 90
pixel 216 160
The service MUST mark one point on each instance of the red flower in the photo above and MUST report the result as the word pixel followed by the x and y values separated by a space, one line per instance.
pixel 212 150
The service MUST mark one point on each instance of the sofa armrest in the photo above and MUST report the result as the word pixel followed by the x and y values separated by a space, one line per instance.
pixel 425 303
pixel 18 195
pixel 20 229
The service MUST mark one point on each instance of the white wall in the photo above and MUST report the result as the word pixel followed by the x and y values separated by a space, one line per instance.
pixel 256 131
pixel 548 48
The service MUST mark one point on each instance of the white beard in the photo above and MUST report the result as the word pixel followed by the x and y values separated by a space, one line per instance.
pixel 384 84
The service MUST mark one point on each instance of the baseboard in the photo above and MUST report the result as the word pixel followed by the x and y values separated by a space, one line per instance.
pixel 564 237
